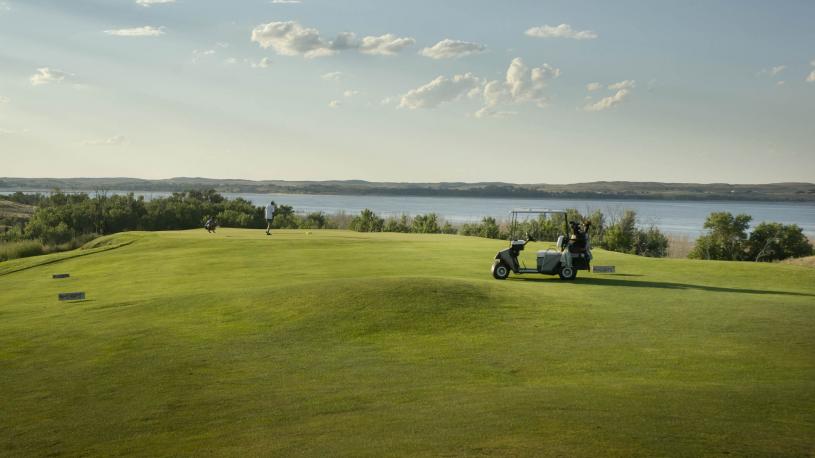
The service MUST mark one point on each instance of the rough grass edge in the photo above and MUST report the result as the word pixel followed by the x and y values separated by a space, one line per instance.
pixel 27 248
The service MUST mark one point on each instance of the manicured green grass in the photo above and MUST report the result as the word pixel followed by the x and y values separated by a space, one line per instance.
pixel 344 344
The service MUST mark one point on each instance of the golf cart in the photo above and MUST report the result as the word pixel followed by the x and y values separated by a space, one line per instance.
pixel 571 253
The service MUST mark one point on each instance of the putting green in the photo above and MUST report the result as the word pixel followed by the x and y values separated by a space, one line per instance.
pixel 344 344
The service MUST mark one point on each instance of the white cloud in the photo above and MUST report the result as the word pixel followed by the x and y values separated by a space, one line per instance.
pixel 149 3
pixel 112 141
pixel 385 45
pixel 560 31
pixel 440 90
pixel 230 61
pixel 626 84
pixel 780 83
pixel 332 76
pixel 4 99
pixel 146 31
pixel 452 49
pixel 262 63
pixel 608 102
pixel 778 69
pixel 521 84
pixel 811 77
pixel 772 71
pixel 349 93
pixel 334 104
pixel 198 54
pixel 486 112
pixel 46 76
pixel 4 6
pixel 291 39
pixel 284 2
pixel 591 87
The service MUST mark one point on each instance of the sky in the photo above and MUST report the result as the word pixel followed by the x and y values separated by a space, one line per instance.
pixel 419 91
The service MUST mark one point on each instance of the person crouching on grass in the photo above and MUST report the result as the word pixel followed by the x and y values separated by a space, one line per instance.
pixel 211 224
pixel 270 211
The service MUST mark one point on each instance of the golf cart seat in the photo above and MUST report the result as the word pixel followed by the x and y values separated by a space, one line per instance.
pixel 549 252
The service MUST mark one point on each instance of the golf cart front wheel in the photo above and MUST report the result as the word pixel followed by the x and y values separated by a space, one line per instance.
pixel 500 271
pixel 568 273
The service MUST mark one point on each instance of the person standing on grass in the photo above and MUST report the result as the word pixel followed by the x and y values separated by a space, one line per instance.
pixel 270 211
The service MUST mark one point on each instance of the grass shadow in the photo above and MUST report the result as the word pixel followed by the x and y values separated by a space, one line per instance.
pixel 682 286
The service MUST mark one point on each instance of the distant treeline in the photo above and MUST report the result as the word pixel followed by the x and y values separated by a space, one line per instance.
pixel 804 192
pixel 64 221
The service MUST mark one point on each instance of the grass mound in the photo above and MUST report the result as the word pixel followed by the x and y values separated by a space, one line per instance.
pixel 344 344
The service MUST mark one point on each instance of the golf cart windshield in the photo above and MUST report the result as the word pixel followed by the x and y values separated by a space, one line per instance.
pixel 518 229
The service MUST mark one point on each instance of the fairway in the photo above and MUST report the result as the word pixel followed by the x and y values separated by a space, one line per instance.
pixel 335 343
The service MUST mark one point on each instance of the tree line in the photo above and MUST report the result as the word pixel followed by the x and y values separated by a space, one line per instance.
pixel 64 220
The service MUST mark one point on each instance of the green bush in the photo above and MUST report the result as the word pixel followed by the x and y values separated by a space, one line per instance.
pixel 621 236
pixel 726 238
pixel 367 221
pixel 776 241
pixel 651 243
pixel 487 228
pixel 402 224
pixel 315 220
pixel 284 218
pixel 426 224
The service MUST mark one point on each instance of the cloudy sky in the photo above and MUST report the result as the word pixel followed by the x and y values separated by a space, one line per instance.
pixel 520 91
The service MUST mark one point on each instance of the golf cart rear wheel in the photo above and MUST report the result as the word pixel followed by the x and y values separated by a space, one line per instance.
pixel 568 273
pixel 500 271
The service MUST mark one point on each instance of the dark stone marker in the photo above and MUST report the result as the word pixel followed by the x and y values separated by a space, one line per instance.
pixel 60 275
pixel 72 296
pixel 603 269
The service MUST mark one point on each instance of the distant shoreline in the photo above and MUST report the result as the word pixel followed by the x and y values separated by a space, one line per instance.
pixel 774 192
pixel 445 196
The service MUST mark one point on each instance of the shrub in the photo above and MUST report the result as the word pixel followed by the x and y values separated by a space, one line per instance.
pixel 726 238
pixel 401 224
pixel 448 228
pixel 487 228
pixel 426 224
pixel 284 218
pixel 651 243
pixel 315 220
pixel 367 221
pixel 621 236
pixel 776 241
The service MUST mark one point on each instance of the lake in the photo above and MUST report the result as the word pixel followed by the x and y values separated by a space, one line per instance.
pixel 675 217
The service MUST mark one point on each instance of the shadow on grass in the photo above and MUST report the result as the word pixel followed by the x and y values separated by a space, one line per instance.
pixel 665 285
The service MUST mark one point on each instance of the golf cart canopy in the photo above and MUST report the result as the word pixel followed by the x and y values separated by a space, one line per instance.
pixel 537 210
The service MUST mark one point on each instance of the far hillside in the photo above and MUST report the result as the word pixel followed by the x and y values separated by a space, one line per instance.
pixel 797 192
pixel 10 209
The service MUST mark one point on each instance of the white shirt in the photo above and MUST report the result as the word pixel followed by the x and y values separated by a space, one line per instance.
pixel 270 209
